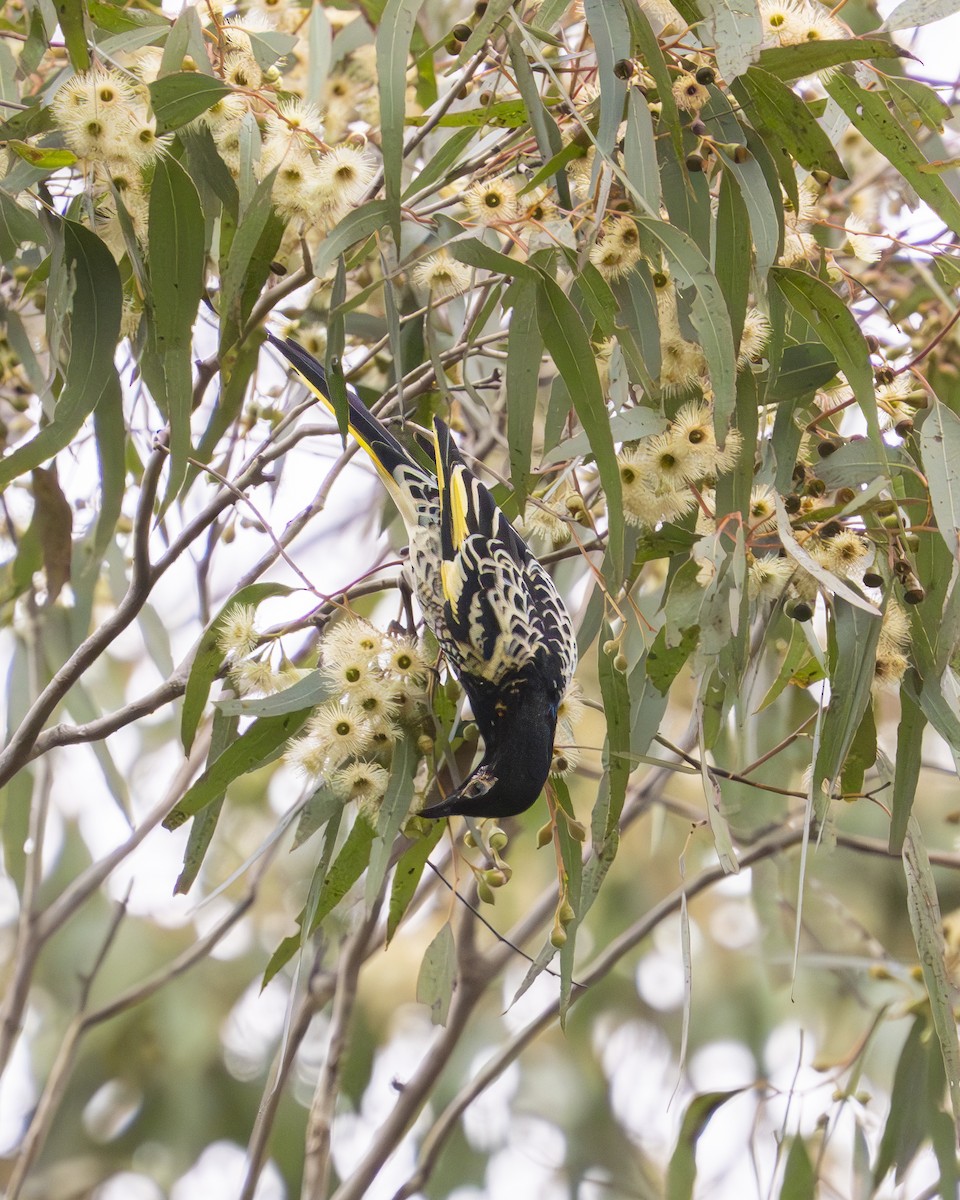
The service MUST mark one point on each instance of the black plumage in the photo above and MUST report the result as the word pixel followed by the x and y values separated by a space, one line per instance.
pixel 494 610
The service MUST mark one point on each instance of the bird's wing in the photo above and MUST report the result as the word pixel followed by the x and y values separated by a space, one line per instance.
pixel 503 612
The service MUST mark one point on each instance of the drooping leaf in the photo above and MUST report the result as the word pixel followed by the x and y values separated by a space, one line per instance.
pixel 255 746
pixel 204 824
pixel 793 62
pixel 347 868
pixel 940 448
pixel 84 271
pixel 18 226
pixel 682 1171
pixel 393 47
pixel 180 98
pixel 407 876
pixel 791 127
pixel 829 315
pixel 881 127
pixel 927 924
pixel 909 13
pixel 73 21
pixel 176 258
pixel 438 975
pixel 799 1177
pixel 569 344
pixel 524 350
pixel 393 813
pixel 851 677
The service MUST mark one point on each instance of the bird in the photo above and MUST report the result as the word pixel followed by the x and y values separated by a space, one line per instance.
pixel 496 612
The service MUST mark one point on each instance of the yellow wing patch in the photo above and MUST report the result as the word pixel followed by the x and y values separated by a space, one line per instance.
pixel 459 504
pixel 451 580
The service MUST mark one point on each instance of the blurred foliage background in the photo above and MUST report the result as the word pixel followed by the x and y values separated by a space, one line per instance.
pixel 684 281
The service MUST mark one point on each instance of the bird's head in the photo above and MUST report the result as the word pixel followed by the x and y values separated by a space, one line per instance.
pixel 518 732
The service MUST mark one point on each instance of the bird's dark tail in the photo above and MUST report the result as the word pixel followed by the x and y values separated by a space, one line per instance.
pixel 393 462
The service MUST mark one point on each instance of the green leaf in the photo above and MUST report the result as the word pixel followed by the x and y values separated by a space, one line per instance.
pixel 856 463
pixel 799 667
pixel 505 114
pixel 851 676
pixel 355 226
pixel 393 813
pixel 83 270
pixel 732 228
pixel 611 37
pixel 350 864
pixel 789 125
pixel 799 1177
pixel 438 975
pixel 735 29
pixel 44 158
pixel 18 225
pixel 447 157
pixel 255 746
pixel 569 344
pixel 180 98
pixel 919 12
pixel 269 46
pixel 313 689
pixel 626 426
pixel 407 876
pixel 916 100
pixel 940 451
pixel 209 658
pixel 393 48
pixel 861 755
pixel 802 370
pixel 907 771
pixel 640 152
pixel 245 265
pixel 524 349
pixel 489 20
pixel 830 316
pixel 879 125
pixel 927 924
pixel 908 1121
pixel 320 810
pixel 176 260
pixel 544 127
pixel 708 312
pixel 664 663
pixel 204 824
pixel 72 17
pixel 111 435
pixel 682 1171
pixel 616 751
pixel 571 857
pixel 793 62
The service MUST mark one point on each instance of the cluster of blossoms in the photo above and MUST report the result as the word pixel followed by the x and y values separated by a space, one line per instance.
pixel 658 474
pixel 618 250
pixel 898 399
pixel 792 22
pixel 840 547
pixel 105 118
pixel 253 671
pixel 378 683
